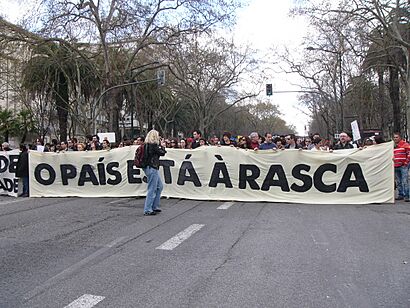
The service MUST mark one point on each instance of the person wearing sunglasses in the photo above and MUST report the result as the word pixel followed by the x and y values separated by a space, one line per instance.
pixel 291 142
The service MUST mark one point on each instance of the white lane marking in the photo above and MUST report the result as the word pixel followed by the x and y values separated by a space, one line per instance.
pixel 180 237
pixel 119 200
pixel 85 301
pixel 225 206
pixel 68 271
pixel 14 201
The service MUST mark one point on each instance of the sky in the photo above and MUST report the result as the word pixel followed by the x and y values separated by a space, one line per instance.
pixel 264 24
pixel 13 9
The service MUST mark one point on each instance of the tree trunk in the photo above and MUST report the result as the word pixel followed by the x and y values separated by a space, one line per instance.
pixel 407 91
pixel 380 75
pixel 201 126
pixel 24 136
pixel 115 114
pixel 394 91
pixel 150 122
pixel 408 106
pixel 62 105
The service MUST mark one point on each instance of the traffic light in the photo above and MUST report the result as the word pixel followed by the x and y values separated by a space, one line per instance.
pixel 269 90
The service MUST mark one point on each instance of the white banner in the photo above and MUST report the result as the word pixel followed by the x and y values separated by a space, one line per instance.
pixel 8 181
pixel 223 173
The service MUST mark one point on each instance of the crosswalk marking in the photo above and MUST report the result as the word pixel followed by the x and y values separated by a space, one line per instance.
pixel 225 206
pixel 85 301
pixel 175 241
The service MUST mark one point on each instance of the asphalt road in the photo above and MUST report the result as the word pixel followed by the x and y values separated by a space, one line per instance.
pixel 102 252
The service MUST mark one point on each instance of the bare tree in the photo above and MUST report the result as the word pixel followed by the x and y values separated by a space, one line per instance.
pixel 209 72
pixel 114 25
pixel 378 34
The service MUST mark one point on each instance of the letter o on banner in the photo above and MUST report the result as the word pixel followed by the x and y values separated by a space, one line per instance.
pixel 51 174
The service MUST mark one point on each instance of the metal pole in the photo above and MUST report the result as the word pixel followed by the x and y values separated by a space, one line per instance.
pixel 132 111
pixel 115 87
pixel 341 91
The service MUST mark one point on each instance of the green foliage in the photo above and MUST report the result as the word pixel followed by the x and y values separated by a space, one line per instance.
pixel 242 120
pixel 15 124
pixel 267 118
pixel 56 73
pixel 25 124
pixel 7 124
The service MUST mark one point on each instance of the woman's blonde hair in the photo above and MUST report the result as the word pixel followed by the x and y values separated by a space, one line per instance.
pixel 152 137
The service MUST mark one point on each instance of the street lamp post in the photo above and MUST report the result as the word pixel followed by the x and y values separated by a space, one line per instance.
pixel 341 90
pixel 339 54
pixel 132 112
pixel 138 70
pixel 160 79
pixel 120 86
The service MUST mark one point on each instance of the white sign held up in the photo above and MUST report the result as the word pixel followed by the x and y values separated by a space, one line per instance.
pixel 355 130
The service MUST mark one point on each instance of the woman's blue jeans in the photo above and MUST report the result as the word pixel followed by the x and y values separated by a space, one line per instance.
pixel 154 189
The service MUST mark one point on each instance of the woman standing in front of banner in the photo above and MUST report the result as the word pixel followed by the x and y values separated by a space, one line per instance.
pixel 152 151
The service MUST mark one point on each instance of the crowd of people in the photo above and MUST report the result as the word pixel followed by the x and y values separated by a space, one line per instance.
pixel 254 141
pixel 269 141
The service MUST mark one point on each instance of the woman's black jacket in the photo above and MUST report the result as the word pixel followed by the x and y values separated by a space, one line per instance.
pixel 152 152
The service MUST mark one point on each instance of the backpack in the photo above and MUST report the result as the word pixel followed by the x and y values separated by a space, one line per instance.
pixel 139 158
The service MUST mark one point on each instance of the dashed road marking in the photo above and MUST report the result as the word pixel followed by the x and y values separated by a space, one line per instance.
pixel 119 200
pixel 225 206
pixel 14 201
pixel 175 241
pixel 85 301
